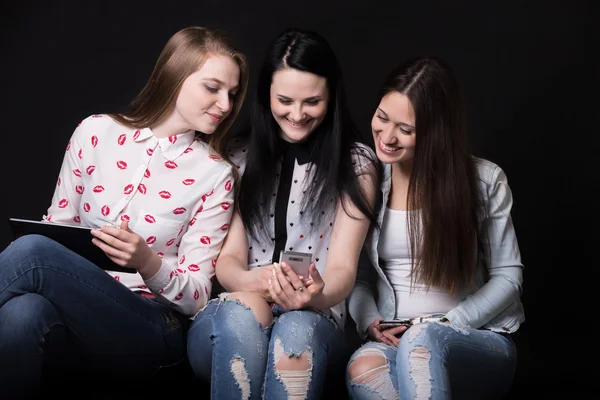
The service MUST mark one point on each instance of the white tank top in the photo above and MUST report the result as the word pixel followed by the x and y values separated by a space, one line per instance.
pixel 394 251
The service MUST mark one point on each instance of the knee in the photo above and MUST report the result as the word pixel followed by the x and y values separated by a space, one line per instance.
pixel 367 363
pixel 370 370
pixel 294 340
pixel 291 361
pixel 28 245
pixel 27 312
pixel 259 307
pixel 294 370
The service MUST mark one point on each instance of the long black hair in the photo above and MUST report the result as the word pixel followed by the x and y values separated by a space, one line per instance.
pixel 332 146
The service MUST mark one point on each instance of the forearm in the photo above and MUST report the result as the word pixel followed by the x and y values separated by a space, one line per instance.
pixel 362 307
pixel 480 307
pixel 234 276
pixel 338 284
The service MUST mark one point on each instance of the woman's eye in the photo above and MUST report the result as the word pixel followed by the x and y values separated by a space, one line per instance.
pixel 382 119
pixel 406 132
pixel 284 101
pixel 312 102
pixel 211 89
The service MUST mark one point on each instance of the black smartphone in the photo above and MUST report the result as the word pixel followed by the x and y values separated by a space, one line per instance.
pixel 392 323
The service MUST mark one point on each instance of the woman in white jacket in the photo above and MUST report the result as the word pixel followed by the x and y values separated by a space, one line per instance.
pixel 444 256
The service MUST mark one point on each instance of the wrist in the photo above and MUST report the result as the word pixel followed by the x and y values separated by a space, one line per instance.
pixel 150 267
pixel 317 301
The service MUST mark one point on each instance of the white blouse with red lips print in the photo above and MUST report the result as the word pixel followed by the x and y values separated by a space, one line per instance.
pixel 175 192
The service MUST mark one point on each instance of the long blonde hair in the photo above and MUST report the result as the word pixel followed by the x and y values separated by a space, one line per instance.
pixel 184 53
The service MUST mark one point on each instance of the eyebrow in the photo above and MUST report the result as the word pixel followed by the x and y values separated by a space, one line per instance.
pixel 221 83
pixel 399 123
pixel 313 98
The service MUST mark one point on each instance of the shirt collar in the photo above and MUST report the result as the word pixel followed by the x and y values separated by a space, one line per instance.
pixel 171 147
pixel 300 151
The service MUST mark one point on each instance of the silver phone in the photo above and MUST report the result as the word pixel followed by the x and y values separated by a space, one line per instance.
pixel 299 262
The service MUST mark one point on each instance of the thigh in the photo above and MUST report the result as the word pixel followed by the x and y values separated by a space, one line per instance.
pixel 106 320
pixel 469 363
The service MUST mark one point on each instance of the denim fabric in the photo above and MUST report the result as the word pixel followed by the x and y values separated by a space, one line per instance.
pixel 227 346
pixel 46 288
pixel 449 362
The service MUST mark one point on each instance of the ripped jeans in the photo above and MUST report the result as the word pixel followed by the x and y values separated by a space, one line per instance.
pixel 229 348
pixel 434 361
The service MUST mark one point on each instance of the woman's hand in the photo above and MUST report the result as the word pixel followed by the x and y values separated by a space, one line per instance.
pixel 127 249
pixel 292 292
pixel 387 336
pixel 262 276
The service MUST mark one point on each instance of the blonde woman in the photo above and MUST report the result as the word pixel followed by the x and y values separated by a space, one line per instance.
pixel 155 187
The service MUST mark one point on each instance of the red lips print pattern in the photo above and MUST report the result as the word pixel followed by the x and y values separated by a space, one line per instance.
pixel 187 210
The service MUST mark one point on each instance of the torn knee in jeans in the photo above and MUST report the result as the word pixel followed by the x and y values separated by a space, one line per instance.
pixel 420 372
pixel 238 370
pixel 253 302
pixel 293 370
pixel 371 371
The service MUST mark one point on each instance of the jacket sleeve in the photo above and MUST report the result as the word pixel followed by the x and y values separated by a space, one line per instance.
pixel 362 304
pixel 501 256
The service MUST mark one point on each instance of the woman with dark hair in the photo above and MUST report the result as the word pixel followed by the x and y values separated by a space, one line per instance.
pixel 445 266
pixel 308 186
pixel 155 186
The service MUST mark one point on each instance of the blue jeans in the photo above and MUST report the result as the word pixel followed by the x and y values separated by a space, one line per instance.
pixel 434 361
pixel 47 291
pixel 227 346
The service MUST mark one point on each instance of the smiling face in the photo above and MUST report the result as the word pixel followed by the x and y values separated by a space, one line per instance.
pixel 393 126
pixel 298 103
pixel 206 97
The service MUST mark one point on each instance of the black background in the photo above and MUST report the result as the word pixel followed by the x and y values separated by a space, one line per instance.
pixel 521 64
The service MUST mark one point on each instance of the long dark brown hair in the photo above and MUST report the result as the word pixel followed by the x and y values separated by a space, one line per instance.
pixel 443 183
pixel 185 52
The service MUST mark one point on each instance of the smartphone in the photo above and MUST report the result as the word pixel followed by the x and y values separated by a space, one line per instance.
pixel 392 323
pixel 299 262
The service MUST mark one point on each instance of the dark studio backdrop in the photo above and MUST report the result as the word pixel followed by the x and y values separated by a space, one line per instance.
pixel 521 64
